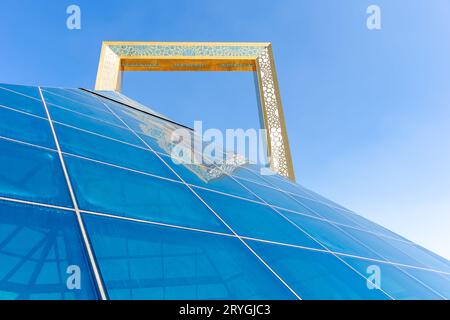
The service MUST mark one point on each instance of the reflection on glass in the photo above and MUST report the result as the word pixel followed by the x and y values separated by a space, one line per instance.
pixel 392 280
pixel 37 246
pixel 26 128
pixel 438 282
pixel 255 220
pixel 23 98
pixel 32 174
pixel 92 109
pixel 98 148
pixel 116 191
pixel 315 275
pixel 140 261
pixel 93 125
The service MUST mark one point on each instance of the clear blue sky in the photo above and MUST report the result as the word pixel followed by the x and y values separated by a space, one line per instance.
pixel 368 112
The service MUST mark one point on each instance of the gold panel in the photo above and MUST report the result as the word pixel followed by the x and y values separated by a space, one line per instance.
pixel 117 57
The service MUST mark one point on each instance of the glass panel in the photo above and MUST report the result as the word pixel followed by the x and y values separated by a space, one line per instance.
pixel 20 102
pixel 102 188
pixel 242 172
pixel 32 174
pixel 370 226
pixel 315 275
pixel 314 196
pixel 253 173
pixel 37 245
pixel 117 96
pixel 254 220
pixel 140 261
pixel 26 128
pixel 277 198
pixel 76 95
pixel 381 246
pixel 98 148
pixel 431 253
pixel 330 236
pixel 392 280
pixel 156 132
pixel 326 212
pixel 209 177
pixel 160 145
pixel 93 125
pixel 420 255
pixel 269 180
pixel 436 281
pixel 87 109
pixel 30 91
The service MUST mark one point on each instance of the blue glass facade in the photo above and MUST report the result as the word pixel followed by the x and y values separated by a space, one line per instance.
pixel 86 182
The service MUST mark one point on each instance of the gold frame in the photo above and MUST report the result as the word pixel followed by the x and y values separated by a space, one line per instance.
pixel 117 57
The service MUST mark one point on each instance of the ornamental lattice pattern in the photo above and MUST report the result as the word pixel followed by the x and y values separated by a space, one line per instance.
pixel 185 50
pixel 272 115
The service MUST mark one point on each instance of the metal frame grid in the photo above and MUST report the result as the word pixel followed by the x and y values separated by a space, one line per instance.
pixel 260 180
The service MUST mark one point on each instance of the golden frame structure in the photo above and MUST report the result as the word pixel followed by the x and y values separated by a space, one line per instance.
pixel 117 57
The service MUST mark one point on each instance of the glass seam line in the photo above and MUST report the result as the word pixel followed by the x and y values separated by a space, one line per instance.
pixel 85 130
pixel 314 239
pixel 75 204
pixel 107 123
pixel 190 188
pixel 33 203
pixel 59 107
pixel 99 135
pixel 20 93
pixel 200 187
pixel 85 115
pixel 272 186
pixel 311 194
pixel 151 222
pixel 22 112
pixel 78 128
pixel 372 250
pixel 64 108
pixel 76 101
pixel 136 109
